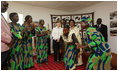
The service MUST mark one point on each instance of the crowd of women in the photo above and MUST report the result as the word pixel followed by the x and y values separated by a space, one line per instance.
pixel 94 43
pixel 21 51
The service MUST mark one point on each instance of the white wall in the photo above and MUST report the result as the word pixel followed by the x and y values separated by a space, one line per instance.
pixel 102 10
pixel 36 12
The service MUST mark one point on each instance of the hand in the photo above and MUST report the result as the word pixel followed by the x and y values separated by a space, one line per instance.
pixel 29 28
pixel 46 32
pixel 78 45
pixel 70 42
pixel 58 40
pixel 10 44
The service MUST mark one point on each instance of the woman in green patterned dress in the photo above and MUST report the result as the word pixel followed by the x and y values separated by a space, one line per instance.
pixel 41 42
pixel 27 43
pixel 15 59
pixel 100 57
pixel 71 42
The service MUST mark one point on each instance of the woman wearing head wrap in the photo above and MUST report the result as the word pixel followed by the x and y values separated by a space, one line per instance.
pixel 16 56
pixel 41 42
pixel 100 56
pixel 71 42
pixel 75 29
pixel 27 43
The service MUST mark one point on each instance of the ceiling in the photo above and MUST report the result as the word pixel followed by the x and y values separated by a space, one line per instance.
pixel 68 6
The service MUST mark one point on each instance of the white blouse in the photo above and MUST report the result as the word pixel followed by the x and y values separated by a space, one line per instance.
pixel 57 32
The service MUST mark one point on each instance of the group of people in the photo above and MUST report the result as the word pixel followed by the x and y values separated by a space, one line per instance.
pixel 95 43
pixel 17 51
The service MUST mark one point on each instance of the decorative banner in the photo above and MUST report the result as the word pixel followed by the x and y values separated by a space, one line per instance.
pixel 113 23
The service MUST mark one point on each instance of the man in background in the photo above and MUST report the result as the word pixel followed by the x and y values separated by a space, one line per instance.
pixel 102 28
pixel 5 37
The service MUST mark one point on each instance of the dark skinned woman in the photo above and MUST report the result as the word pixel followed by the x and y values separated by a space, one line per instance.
pixel 16 56
pixel 27 43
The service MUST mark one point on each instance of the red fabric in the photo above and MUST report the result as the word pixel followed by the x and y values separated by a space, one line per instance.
pixel 52 66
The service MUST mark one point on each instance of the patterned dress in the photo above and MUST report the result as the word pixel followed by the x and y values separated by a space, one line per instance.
pixel 100 57
pixel 79 56
pixel 16 56
pixel 70 51
pixel 41 45
pixel 27 48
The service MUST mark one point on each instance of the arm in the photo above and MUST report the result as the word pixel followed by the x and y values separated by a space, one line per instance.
pixel 5 38
pixel 79 38
pixel 39 34
pixel 95 40
pixel 53 33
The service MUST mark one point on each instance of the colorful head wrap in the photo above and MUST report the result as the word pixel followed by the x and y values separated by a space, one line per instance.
pixel 83 19
pixel 87 20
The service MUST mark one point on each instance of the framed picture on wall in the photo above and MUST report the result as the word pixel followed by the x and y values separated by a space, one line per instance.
pixel 54 25
pixel 67 18
pixel 79 26
pixel 113 23
pixel 85 15
pixel 55 18
pixel 76 18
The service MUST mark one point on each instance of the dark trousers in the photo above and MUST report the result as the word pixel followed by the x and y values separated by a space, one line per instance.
pixel 56 47
pixel 4 58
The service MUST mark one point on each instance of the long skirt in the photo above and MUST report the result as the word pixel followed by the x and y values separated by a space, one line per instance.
pixel 97 62
pixel 28 53
pixel 70 56
pixel 41 49
pixel 16 57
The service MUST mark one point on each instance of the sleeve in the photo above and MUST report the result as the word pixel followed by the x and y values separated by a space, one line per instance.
pixel 95 40
pixel 5 37
pixel 78 36
pixel 27 33
pixel 53 33
pixel 47 35
pixel 37 31
pixel 61 31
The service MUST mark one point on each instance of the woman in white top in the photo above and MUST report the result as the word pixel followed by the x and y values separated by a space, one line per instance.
pixel 56 34
pixel 74 29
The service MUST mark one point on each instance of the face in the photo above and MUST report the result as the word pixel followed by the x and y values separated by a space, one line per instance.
pixel 65 31
pixel 99 21
pixel 36 24
pixel 15 18
pixel 4 6
pixel 42 22
pixel 58 24
pixel 64 22
pixel 30 20
pixel 83 25
pixel 71 23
